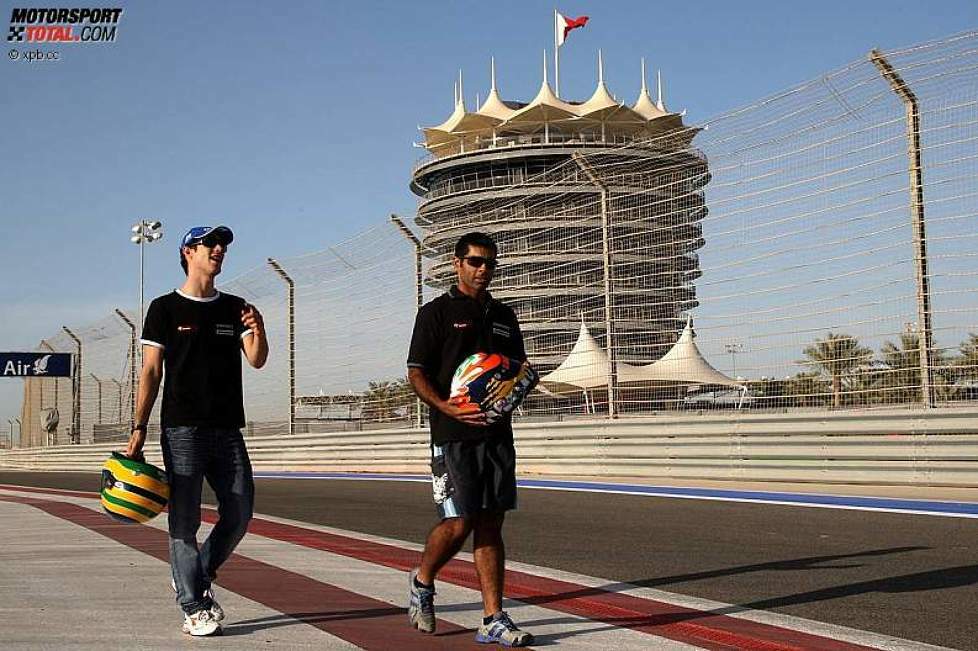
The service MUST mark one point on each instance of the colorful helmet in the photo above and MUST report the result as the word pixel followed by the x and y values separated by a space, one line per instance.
pixel 133 491
pixel 492 383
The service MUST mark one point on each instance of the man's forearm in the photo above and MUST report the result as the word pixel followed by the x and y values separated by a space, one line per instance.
pixel 149 386
pixel 256 349
pixel 423 387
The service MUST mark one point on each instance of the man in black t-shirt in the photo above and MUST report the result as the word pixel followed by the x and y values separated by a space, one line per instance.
pixel 196 334
pixel 473 463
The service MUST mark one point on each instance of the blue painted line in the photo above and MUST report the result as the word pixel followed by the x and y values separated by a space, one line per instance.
pixel 850 501
pixel 375 476
pixel 926 507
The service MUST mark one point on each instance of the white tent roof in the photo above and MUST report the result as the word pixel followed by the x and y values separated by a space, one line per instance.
pixel 601 99
pixel 494 106
pixel 545 107
pixel 684 363
pixel 587 367
pixel 644 105
pixel 463 128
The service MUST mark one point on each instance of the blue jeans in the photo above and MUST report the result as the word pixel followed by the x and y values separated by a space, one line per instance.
pixel 192 454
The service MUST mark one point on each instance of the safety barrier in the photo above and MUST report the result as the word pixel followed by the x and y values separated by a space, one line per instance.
pixel 908 447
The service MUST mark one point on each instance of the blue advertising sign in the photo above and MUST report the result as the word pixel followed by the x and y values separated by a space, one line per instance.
pixel 35 364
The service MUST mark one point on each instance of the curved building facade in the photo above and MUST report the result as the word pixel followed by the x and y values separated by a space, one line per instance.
pixel 596 207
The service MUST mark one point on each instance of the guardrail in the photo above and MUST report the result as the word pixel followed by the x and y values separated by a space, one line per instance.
pixel 893 447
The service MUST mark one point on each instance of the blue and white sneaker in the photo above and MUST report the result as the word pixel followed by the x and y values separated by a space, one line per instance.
pixel 201 624
pixel 421 607
pixel 502 630
pixel 217 613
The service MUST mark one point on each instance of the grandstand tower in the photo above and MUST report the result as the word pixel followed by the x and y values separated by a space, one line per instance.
pixel 509 169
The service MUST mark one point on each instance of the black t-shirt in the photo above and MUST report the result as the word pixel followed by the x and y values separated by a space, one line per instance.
pixel 446 331
pixel 201 343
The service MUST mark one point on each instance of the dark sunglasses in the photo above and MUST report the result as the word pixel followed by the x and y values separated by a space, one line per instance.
pixel 476 261
pixel 212 239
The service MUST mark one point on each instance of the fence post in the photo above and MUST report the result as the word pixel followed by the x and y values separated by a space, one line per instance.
pixel 98 384
pixel 291 328
pixel 606 263
pixel 118 386
pixel 75 389
pixel 47 436
pixel 419 288
pixel 132 366
pixel 925 337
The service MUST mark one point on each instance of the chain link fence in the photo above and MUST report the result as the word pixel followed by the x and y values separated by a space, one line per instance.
pixel 796 255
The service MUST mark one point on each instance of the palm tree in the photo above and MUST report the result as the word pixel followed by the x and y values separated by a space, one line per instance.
pixel 902 377
pixel 388 400
pixel 967 362
pixel 902 361
pixel 837 355
pixel 865 384
pixel 806 389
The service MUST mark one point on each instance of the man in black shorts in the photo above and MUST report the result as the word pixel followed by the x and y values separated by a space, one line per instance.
pixel 473 463
pixel 197 334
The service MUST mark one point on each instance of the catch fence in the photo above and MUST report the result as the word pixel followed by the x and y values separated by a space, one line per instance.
pixel 794 257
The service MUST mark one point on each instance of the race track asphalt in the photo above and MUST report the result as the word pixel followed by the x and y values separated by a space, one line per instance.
pixel 905 575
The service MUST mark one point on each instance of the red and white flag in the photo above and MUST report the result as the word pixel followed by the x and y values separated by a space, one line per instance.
pixel 564 25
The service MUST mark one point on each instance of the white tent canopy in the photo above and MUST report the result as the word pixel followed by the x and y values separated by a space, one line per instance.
pixel 465 131
pixel 587 367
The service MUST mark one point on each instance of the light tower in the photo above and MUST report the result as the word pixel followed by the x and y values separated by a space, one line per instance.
pixel 144 231
pixel 615 237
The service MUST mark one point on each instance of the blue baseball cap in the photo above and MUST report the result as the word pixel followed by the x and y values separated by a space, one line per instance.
pixel 196 234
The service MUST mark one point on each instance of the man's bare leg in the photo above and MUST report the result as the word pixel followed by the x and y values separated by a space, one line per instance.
pixel 490 559
pixel 444 541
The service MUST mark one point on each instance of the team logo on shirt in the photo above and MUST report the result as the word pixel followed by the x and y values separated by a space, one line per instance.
pixel 185 328
pixel 224 329
pixel 461 325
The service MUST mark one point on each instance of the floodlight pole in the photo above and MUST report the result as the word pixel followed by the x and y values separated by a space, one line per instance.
pixel 606 263
pixel 925 336
pixel 142 279
pixel 145 230
pixel 734 349
pixel 75 389
pixel 291 328
pixel 418 284
pixel 132 368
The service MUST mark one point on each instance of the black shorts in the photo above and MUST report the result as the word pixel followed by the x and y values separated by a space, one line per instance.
pixel 472 476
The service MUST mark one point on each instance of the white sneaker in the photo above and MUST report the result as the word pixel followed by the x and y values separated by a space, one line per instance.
pixel 217 613
pixel 200 623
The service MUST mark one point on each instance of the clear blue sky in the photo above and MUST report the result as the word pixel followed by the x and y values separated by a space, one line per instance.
pixel 293 122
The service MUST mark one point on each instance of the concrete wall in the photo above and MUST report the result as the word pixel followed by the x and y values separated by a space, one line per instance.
pixel 936 447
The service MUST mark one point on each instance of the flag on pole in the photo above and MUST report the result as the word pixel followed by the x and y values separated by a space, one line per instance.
pixel 564 25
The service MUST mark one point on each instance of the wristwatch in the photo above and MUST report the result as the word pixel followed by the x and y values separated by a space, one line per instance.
pixel 136 428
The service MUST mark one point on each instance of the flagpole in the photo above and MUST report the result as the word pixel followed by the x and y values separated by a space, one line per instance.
pixel 556 58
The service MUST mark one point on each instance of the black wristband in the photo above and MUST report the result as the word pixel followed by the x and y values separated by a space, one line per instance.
pixel 138 427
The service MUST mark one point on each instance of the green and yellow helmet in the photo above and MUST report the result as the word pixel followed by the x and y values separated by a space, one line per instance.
pixel 133 491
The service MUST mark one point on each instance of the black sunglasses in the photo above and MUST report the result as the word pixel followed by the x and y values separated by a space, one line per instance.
pixel 476 261
pixel 213 239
